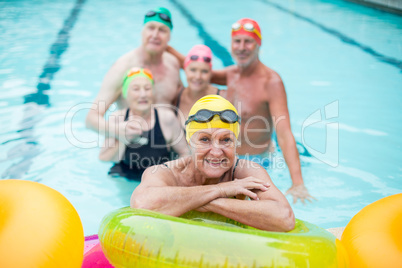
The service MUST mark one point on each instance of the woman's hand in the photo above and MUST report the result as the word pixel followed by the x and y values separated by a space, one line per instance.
pixel 127 131
pixel 245 186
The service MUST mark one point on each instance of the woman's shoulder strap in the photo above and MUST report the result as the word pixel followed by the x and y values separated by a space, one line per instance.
pixel 127 113
pixel 234 168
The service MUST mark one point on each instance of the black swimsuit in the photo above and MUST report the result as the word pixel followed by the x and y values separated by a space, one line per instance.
pixel 149 150
pixel 234 169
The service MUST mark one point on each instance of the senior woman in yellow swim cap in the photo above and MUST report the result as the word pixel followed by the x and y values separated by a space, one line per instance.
pixel 212 178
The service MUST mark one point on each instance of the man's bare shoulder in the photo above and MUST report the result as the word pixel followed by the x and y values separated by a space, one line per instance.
pixel 116 72
pixel 171 61
pixel 127 59
pixel 273 79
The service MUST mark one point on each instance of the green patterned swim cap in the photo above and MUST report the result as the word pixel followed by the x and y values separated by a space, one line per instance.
pixel 133 73
pixel 161 15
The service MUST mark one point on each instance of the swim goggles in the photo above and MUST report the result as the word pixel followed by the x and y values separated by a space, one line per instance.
pixel 163 16
pixel 196 57
pixel 249 27
pixel 143 71
pixel 203 116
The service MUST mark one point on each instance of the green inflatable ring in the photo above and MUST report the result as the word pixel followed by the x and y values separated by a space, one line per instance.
pixel 142 238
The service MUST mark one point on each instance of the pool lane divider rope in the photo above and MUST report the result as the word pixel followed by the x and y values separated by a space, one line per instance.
pixel 220 51
pixel 52 65
pixel 392 61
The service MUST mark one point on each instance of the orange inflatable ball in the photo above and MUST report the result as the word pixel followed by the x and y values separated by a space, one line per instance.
pixel 38 227
pixel 373 238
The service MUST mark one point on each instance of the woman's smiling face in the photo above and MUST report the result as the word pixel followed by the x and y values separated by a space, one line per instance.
pixel 198 75
pixel 214 151
pixel 140 94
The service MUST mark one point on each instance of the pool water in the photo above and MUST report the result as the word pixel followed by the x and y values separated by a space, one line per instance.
pixel 341 64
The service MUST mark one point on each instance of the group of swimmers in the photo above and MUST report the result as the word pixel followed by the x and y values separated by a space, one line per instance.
pixel 212 134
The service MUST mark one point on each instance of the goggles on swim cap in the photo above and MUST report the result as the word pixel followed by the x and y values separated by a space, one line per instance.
pixel 196 57
pixel 249 27
pixel 200 53
pixel 212 111
pixel 161 15
pixel 204 115
pixel 140 70
pixel 133 73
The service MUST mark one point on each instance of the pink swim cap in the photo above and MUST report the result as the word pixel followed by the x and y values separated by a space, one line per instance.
pixel 199 53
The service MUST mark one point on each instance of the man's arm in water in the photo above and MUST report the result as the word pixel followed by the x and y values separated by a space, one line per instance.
pixel 109 92
pixel 280 117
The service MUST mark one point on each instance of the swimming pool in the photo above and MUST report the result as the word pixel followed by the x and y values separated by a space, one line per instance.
pixel 340 62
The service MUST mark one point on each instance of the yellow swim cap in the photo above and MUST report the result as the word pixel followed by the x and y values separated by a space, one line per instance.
pixel 213 103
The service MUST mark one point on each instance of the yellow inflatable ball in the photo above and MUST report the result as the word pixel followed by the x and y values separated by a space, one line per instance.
pixel 373 238
pixel 38 227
